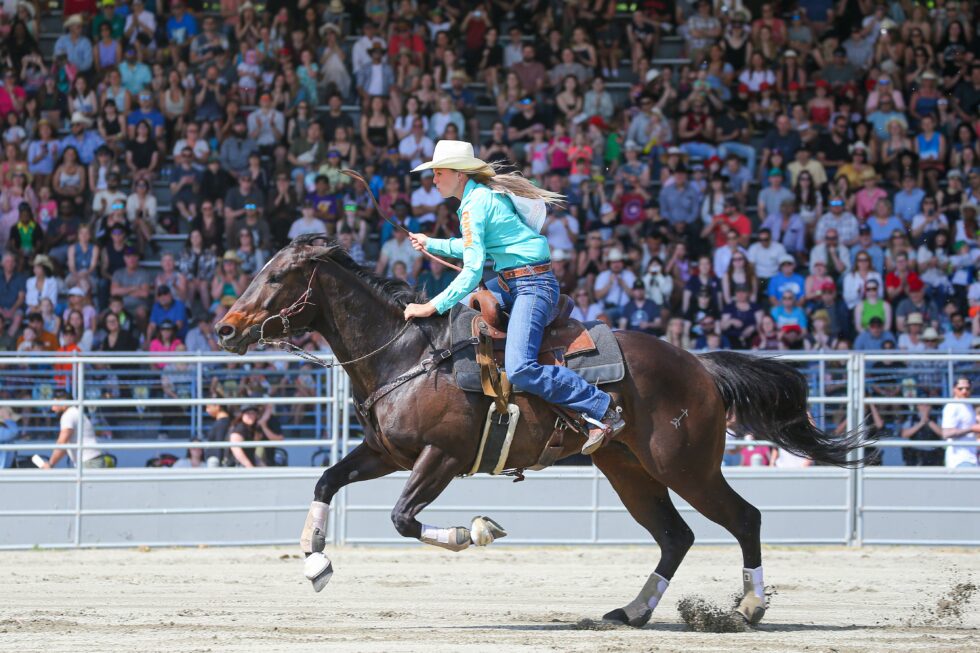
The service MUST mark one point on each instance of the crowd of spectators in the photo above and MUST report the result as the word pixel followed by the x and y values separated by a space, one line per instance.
pixel 748 175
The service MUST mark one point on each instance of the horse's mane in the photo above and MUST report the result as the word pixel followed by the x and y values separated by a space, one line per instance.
pixel 396 293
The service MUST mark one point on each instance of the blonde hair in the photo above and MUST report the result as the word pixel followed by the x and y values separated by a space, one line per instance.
pixel 513 182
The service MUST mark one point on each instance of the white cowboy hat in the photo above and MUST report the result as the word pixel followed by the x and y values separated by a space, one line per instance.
pixel 560 255
pixel 456 155
pixel 80 117
pixel 43 261
pixel 75 19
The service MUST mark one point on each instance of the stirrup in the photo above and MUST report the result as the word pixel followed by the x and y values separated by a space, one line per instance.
pixel 610 426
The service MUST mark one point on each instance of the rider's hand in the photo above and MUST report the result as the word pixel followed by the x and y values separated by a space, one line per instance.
pixel 419 310
pixel 418 241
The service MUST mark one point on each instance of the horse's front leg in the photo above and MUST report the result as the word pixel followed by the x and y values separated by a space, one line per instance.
pixel 432 472
pixel 361 464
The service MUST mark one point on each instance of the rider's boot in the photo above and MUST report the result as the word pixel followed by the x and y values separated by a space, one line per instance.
pixel 609 427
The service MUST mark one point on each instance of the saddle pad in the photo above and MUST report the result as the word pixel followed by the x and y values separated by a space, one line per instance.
pixel 602 365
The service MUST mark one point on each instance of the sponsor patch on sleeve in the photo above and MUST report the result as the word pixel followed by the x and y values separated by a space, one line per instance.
pixel 467 229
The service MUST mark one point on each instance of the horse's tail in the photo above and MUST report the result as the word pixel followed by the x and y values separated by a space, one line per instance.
pixel 768 398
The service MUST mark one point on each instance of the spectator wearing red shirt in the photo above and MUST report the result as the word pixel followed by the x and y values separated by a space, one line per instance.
pixel 899 281
pixel 404 37
pixel 730 218
pixel 776 25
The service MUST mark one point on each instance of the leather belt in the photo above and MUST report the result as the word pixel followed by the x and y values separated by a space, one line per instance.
pixel 525 271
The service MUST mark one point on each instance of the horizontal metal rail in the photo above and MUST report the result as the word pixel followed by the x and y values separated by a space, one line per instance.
pixel 113 445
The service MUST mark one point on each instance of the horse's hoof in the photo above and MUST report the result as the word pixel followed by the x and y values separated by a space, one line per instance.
pixel 752 609
pixel 484 530
pixel 629 616
pixel 318 569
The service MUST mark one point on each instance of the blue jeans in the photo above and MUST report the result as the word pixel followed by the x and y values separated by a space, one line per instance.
pixel 740 150
pixel 533 302
pixel 698 150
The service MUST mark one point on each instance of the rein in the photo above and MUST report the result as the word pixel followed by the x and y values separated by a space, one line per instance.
pixel 356 176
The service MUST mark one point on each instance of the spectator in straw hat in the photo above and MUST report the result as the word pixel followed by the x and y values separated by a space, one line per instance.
pixel 83 138
pixel 912 339
pixel 42 285
pixel 74 45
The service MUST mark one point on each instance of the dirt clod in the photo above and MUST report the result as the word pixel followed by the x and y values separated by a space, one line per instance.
pixel 950 607
pixel 948 610
pixel 702 616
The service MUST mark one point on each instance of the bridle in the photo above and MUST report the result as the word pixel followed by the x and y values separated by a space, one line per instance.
pixel 282 341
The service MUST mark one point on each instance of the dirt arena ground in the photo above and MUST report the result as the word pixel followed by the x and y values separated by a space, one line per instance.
pixel 496 599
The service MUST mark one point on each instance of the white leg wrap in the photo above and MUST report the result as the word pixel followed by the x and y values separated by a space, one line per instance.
pixel 752 582
pixel 316 518
pixel 753 603
pixel 455 538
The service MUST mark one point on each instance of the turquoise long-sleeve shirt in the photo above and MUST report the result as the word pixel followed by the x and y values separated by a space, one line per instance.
pixel 490 226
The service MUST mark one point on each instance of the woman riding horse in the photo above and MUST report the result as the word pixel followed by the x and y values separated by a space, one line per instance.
pixel 525 284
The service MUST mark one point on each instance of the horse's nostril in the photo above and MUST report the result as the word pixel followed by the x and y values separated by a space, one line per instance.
pixel 226 331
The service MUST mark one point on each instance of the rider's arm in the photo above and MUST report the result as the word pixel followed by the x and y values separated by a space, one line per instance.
pixel 472 224
pixel 445 246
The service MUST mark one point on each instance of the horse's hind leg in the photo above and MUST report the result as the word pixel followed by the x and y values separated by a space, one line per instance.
pixel 648 501
pixel 715 499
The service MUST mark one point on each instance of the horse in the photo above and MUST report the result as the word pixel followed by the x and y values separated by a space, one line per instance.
pixel 677 407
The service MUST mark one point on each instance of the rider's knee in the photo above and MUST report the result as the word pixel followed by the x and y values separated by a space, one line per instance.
pixel 523 374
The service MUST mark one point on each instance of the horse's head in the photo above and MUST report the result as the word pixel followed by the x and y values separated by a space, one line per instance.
pixel 279 301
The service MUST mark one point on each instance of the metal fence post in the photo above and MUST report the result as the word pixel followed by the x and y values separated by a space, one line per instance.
pixel 318 389
pixel 336 395
pixel 198 413
pixel 345 398
pixel 79 367
pixel 858 473
pixel 822 390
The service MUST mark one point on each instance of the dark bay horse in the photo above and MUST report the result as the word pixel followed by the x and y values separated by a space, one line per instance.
pixel 676 406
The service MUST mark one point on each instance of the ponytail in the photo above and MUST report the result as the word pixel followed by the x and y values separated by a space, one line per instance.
pixel 514 183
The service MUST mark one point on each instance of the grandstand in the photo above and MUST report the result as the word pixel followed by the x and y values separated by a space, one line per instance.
pixel 715 147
